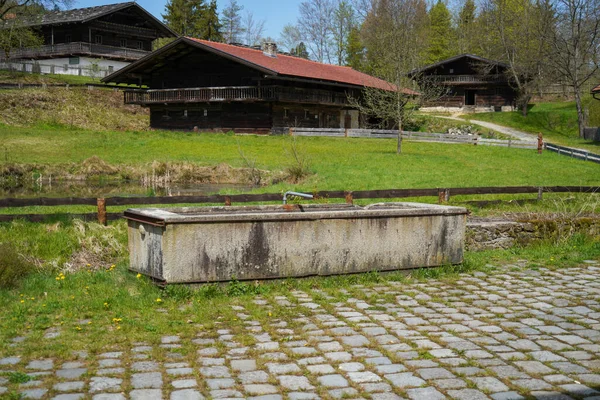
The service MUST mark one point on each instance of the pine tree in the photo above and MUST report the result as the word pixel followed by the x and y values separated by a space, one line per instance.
pixel 209 27
pixel 467 31
pixel 300 51
pixel 442 34
pixel 232 22
pixel 183 15
pixel 355 51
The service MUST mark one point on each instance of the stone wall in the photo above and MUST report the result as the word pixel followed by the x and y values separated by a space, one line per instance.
pixel 489 234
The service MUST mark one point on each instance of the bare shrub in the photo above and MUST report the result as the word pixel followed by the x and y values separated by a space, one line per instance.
pixel 299 163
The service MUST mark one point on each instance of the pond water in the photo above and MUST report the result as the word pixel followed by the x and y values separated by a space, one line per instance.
pixel 114 189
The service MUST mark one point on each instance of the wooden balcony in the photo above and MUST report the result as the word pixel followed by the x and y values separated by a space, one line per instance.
pixel 466 79
pixel 77 49
pixel 234 94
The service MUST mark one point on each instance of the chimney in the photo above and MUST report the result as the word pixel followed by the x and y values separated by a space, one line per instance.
pixel 270 49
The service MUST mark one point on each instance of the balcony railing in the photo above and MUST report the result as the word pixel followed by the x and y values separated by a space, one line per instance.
pixel 458 79
pixel 234 93
pixel 77 48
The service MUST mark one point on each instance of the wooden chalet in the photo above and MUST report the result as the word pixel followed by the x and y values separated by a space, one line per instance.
pixel 468 82
pixel 112 35
pixel 197 84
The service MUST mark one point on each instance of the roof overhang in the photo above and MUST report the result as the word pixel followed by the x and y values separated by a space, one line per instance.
pixel 473 57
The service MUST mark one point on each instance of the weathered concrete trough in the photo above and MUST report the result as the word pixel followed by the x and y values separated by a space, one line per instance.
pixel 209 244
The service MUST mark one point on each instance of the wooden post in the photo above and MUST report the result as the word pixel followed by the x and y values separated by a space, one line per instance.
pixel 540 143
pixel 540 192
pixel 346 132
pixel 291 131
pixel 101 211
pixel 441 196
pixel 349 198
pixel 509 142
pixel 227 201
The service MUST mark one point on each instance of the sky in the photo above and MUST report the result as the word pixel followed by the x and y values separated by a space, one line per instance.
pixel 275 13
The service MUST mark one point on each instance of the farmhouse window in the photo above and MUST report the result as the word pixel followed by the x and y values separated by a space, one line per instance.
pixel 140 45
pixel 185 114
pixel 98 39
pixel 306 114
pixel 73 60
pixel 285 113
pixel 123 42
pixel 205 112
pixel 111 69
pixel 68 38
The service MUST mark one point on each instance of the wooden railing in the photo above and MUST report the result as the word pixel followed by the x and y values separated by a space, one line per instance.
pixel 76 48
pixel 233 93
pixel 442 194
pixel 466 78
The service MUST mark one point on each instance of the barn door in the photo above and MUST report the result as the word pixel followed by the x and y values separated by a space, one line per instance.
pixel 348 121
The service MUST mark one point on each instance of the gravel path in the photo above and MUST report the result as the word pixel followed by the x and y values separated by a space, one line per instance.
pixel 499 128
pixel 512 334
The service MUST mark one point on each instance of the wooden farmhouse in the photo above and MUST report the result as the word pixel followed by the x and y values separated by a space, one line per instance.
pixel 467 83
pixel 197 84
pixel 105 37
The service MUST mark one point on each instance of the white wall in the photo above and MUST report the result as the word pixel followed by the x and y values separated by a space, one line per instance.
pixel 61 66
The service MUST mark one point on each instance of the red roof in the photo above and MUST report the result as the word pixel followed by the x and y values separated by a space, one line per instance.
pixel 596 89
pixel 300 67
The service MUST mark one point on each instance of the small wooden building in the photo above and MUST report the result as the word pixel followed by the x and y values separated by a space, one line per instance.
pixel 109 37
pixel 468 83
pixel 215 86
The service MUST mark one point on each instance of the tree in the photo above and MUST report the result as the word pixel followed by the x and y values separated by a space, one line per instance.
pixel 14 30
pixel 355 51
pixel 393 37
pixel 342 24
pixel 183 16
pixel 17 7
pixel 574 45
pixel 314 23
pixel 467 32
pixel 209 27
pixel 516 37
pixel 194 18
pixel 442 34
pixel 232 22
pixel 300 51
pixel 290 37
pixel 253 29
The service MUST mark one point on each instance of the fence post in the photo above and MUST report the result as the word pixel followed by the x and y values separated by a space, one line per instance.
pixel 291 132
pixel 227 201
pixel 540 192
pixel 349 198
pixel 443 196
pixel 509 142
pixel 540 142
pixel 399 145
pixel 346 132
pixel 101 202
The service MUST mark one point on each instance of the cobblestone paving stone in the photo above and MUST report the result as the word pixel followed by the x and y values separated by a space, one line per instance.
pixel 513 334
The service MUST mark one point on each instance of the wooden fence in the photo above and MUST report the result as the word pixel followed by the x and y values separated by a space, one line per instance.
pixel 575 153
pixel 413 136
pixel 443 195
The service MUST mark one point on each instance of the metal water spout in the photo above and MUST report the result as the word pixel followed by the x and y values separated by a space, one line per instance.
pixel 306 196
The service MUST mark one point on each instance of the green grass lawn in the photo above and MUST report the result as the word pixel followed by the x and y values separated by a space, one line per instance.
pixel 556 121
pixel 336 163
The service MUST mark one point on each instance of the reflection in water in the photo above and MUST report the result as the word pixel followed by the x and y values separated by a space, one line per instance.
pixel 113 189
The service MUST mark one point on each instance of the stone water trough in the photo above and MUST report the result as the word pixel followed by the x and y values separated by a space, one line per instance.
pixel 211 244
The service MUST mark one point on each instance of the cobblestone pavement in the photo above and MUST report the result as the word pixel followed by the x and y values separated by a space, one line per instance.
pixel 510 335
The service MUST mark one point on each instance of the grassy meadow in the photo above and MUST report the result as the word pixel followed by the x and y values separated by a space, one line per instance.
pixel 557 121
pixel 333 163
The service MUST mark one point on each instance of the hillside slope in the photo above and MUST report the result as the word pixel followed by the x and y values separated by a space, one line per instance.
pixel 83 108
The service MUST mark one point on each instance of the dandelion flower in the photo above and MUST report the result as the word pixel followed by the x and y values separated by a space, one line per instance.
pixel 159 300
pixel 22 301
pixel 138 276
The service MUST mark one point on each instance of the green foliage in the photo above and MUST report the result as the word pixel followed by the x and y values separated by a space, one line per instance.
pixel 593 107
pixel 18 377
pixel 194 18
pixel 355 51
pixel 12 266
pixel 442 35
pixel 300 51
pixel 557 121
pixel 16 36
pixel 467 30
